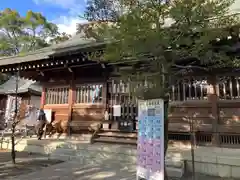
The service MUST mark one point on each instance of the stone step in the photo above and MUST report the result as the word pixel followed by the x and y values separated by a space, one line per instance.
pixel 117 140
pixel 118 134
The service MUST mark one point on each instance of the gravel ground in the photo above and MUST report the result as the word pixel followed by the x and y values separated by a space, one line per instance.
pixel 28 163
pixel 25 163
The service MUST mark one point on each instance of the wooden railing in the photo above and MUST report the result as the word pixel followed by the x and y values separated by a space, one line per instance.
pixel 57 95
pixel 185 94
pixel 89 93
pixel 228 87
pixel 189 89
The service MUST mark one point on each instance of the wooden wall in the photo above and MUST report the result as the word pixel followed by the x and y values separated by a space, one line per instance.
pixel 212 104
pixel 181 116
pixel 229 116
pixel 80 110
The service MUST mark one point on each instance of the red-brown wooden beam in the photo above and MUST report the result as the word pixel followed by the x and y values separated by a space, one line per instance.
pixel 43 97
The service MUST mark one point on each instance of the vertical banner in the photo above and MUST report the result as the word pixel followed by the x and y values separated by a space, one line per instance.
pixel 10 107
pixel 150 156
pixel 48 114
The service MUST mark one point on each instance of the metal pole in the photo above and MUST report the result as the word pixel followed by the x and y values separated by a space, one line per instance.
pixel 192 147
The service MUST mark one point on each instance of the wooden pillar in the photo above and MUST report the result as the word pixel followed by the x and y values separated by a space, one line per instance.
pixel 43 97
pixel 104 95
pixel 213 99
pixel 71 99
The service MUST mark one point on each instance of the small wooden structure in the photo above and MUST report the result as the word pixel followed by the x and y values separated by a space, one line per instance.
pixel 28 90
pixel 80 91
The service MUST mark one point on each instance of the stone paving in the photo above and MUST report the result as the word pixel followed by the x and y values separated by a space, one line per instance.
pixel 74 170
pixel 109 168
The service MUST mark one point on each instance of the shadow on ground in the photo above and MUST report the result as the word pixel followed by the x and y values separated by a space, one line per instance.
pixel 26 163
pixel 108 167
pixel 73 170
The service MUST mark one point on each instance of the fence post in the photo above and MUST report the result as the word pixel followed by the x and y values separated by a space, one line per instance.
pixel 213 99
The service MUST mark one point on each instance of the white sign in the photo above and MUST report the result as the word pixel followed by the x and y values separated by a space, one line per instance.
pixel 117 110
pixel 150 164
pixel 48 114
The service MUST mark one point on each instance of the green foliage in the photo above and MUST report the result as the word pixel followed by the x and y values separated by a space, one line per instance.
pixel 21 34
pixel 154 37
pixel 198 24
pixel 102 10
pixel 60 38
pixel 99 13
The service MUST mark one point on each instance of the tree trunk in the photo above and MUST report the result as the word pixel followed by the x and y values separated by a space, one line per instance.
pixel 166 104
pixel 14 124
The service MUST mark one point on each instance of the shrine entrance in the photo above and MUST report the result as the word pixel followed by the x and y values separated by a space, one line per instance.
pixel 122 107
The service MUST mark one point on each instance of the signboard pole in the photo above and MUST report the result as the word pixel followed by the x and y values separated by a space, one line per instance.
pixel 150 160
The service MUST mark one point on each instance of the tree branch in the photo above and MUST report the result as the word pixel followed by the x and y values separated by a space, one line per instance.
pixel 190 67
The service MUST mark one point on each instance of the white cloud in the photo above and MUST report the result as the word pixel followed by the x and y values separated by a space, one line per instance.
pixel 68 24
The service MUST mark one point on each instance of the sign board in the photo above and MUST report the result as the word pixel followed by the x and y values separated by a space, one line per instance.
pixel 150 156
pixel 48 114
pixel 117 110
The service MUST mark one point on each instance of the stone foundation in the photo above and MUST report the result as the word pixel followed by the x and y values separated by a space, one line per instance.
pixel 214 161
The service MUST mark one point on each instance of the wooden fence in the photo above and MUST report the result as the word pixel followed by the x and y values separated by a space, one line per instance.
pixel 186 91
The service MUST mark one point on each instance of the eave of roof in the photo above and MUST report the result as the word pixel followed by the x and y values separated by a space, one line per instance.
pixel 77 43
pixel 24 86
pixel 33 56
pixel 74 44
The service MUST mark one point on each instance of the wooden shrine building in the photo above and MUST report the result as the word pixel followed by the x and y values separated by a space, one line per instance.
pixel 29 91
pixel 79 91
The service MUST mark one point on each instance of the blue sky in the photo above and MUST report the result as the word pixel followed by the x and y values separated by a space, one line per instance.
pixel 62 12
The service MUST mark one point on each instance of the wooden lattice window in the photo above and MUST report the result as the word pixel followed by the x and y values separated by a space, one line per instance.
pixel 89 93
pixel 181 90
pixel 228 87
pixel 189 89
pixel 57 95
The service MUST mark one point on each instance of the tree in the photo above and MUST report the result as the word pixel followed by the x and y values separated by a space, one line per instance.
pixel 155 38
pixel 21 34
pixel 98 13
pixel 102 10
pixel 61 37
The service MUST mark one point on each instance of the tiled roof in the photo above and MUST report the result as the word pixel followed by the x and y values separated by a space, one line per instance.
pixel 75 43
pixel 24 86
